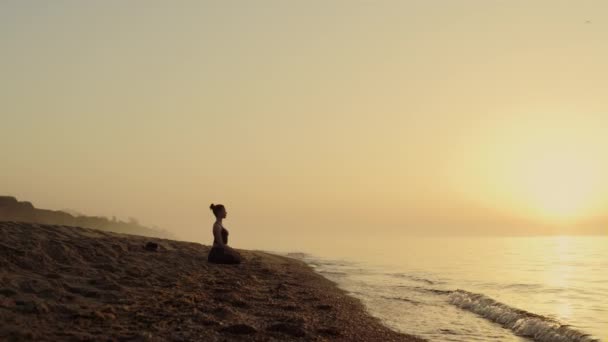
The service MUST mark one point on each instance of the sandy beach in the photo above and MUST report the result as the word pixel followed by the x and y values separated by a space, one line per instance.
pixel 66 283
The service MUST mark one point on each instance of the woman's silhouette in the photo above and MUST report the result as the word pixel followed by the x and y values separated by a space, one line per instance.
pixel 221 253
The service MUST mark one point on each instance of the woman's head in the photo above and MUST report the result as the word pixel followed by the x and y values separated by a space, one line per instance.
pixel 218 210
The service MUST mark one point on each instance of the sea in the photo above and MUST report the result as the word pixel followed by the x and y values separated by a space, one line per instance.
pixel 477 288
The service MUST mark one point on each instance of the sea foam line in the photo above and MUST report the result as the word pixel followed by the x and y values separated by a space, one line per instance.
pixel 522 323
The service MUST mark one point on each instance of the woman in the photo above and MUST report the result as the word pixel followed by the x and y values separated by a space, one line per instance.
pixel 220 252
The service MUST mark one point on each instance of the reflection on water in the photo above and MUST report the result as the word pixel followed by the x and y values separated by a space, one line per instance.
pixel 561 278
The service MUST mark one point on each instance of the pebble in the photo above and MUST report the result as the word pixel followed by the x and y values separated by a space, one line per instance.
pixel 289 329
pixel 241 329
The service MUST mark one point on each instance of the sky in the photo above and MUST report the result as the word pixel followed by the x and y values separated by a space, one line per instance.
pixel 310 119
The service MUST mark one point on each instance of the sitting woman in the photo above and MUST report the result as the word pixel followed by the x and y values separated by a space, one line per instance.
pixel 220 252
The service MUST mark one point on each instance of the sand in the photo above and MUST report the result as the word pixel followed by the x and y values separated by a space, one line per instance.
pixel 66 283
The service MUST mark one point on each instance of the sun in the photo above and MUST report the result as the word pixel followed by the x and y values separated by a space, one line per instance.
pixel 546 169
pixel 558 186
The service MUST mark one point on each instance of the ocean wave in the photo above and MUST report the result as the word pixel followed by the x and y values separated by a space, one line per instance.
pixel 522 323
pixel 426 289
pixel 403 299
pixel 413 278
pixel 524 286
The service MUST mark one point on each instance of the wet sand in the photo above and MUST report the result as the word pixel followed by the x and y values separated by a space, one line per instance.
pixel 65 283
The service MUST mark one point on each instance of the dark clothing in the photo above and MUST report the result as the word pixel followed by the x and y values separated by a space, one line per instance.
pixel 224 237
pixel 224 255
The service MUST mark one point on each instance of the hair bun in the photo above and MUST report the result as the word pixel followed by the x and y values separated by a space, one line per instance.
pixel 212 206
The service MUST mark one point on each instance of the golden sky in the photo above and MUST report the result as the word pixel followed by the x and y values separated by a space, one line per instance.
pixel 320 117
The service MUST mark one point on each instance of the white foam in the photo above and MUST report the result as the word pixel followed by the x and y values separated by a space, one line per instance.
pixel 523 323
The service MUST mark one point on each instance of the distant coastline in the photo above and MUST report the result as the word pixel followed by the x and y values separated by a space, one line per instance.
pixel 14 210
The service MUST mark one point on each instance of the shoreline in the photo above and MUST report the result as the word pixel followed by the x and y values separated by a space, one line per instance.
pixel 65 283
